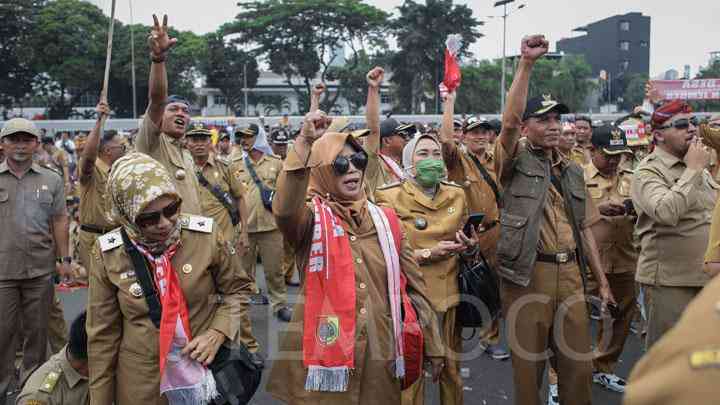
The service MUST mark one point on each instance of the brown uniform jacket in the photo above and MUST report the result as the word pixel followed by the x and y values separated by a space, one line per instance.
pixel 579 155
pixel 217 173
pixel 94 201
pixel 122 340
pixel 27 207
pixel 440 218
pixel 674 206
pixel 267 168
pixel 377 174
pixel 684 366
pixel 55 383
pixel 372 381
pixel 177 160
pixel 614 235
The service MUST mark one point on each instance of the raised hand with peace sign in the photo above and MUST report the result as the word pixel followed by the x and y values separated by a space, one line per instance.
pixel 159 40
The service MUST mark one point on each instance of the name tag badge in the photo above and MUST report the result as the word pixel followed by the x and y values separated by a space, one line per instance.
pixel 127 275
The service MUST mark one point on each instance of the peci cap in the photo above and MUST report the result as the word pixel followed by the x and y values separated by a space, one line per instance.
pixel 611 139
pixel 198 129
pixel 477 122
pixel 279 137
pixel 542 105
pixel 19 125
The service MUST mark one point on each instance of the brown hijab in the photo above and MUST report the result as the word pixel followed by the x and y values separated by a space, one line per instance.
pixel 323 181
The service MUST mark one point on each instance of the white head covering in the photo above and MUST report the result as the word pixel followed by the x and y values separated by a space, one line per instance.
pixel 409 151
pixel 261 142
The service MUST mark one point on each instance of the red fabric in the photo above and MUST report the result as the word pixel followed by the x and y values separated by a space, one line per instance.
pixel 668 110
pixel 412 333
pixel 452 72
pixel 329 293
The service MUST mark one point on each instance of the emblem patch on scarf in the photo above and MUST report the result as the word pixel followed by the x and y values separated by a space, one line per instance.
pixel 328 330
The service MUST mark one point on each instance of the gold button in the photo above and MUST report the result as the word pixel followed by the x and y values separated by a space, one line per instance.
pixel 135 290
pixel 187 268
pixel 451 210
pixel 353 238
pixel 358 260
pixel 180 174
pixel 362 286
pixel 467 182
pixel 363 311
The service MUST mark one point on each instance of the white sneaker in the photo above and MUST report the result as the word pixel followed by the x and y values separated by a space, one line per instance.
pixel 553 397
pixel 610 381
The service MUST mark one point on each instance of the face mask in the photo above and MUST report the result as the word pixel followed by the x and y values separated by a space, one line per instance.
pixel 429 172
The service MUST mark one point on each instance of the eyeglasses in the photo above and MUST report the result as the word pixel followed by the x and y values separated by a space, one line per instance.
pixel 147 219
pixel 341 164
pixel 682 123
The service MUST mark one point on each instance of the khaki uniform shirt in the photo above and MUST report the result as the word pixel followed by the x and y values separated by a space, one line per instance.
pixel 27 207
pixel 371 382
pixel 55 383
pixel 427 221
pixel 378 174
pixel 94 201
pixel 479 195
pixel 674 206
pixel 614 235
pixel 123 343
pixel 684 366
pixel 580 155
pixel 217 173
pixel 177 160
pixel 267 168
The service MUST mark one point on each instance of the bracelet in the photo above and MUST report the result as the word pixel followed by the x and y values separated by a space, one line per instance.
pixel 158 59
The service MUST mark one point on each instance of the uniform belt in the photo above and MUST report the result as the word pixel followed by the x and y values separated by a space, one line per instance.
pixel 557 258
pixel 94 229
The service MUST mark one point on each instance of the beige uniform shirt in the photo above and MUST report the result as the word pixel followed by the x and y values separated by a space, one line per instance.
pixel 674 206
pixel 217 173
pixel 27 207
pixel 378 173
pixel 55 383
pixel 684 366
pixel 94 201
pixel 579 155
pixel 177 160
pixel 614 235
pixel 267 168
pixel 427 221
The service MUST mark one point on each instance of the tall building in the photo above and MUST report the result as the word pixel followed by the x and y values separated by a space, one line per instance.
pixel 618 45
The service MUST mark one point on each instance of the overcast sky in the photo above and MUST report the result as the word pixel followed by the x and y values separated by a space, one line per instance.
pixel 681 32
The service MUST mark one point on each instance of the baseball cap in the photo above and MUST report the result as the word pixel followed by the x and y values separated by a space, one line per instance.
pixel 19 125
pixel 251 130
pixel 224 135
pixel 457 123
pixel 280 137
pixel 542 105
pixel 477 122
pixel 391 126
pixel 198 129
pixel 359 133
pixel 611 139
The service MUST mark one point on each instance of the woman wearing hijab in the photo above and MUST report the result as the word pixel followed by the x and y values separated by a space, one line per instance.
pixel 131 360
pixel 346 341
pixel 433 213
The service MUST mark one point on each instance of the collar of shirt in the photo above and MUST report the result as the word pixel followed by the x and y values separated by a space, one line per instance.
pixel 5 168
pixel 485 158
pixel 102 166
pixel 666 158
pixel 556 158
pixel 71 375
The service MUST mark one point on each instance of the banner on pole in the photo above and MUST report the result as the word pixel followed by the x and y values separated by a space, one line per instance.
pixel 697 89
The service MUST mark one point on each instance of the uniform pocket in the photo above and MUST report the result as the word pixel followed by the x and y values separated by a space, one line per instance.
pixel 512 233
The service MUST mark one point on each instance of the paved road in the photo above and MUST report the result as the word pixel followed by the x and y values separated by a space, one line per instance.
pixel 489 381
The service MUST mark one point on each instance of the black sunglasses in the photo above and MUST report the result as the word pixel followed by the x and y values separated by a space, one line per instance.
pixel 341 164
pixel 682 123
pixel 153 218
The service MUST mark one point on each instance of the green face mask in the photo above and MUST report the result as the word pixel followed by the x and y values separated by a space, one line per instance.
pixel 429 172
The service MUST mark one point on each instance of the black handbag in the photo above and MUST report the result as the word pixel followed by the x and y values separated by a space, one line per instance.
pixel 266 194
pixel 236 376
pixel 479 294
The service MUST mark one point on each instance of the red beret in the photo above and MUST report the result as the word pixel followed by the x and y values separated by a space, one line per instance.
pixel 668 110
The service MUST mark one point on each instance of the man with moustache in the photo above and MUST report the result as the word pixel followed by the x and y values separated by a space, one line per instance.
pixel 674 196
pixel 165 122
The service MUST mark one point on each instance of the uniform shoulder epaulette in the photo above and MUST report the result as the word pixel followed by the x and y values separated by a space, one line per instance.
pixel 450 183
pixel 50 381
pixel 387 186
pixel 110 240
pixel 196 223
pixel 274 156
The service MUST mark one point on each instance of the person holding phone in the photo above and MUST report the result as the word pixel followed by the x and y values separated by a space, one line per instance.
pixel 433 213
pixel 609 188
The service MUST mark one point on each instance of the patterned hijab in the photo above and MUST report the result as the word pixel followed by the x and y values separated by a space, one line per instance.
pixel 135 181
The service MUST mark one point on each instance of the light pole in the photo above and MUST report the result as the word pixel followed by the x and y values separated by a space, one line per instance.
pixel 132 61
pixel 504 16
pixel 245 87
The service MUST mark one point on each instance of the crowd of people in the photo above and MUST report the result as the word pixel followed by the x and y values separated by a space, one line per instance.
pixel 166 226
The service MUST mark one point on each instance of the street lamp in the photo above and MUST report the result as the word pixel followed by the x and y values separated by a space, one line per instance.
pixel 504 16
pixel 132 61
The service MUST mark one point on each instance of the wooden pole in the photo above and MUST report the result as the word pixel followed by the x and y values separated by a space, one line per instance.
pixel 104 93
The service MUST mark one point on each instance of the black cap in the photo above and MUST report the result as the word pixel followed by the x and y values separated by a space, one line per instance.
pixel 391 126
pixel 177 99
pixel 198 130
pixel 542 105
pixel 251 130
pixel 279 137
pixel 224 135
pixel 611 139
pixel 457 123
pixel 475 122
pixel 496 125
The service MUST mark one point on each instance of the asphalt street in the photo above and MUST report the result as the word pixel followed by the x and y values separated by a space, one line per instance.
pixel 486 381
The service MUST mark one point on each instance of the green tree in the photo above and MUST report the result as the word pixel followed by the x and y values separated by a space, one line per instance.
pixel 352 81
pixel 634 91
pixel 421 31
pixel 480 89
pixel 297 37
pixel 225 67
pixel 712 71
pixel 16 70
pixel 566 80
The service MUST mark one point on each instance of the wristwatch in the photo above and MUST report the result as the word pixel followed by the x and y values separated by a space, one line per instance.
pixel 66 259
pixel 426 254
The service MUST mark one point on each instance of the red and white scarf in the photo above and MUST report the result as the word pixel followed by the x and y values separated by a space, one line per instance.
pixel 395 168
pixel 330 301
pixel 183 380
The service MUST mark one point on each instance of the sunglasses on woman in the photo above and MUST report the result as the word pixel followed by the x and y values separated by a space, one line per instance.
pixel 147 219
pixel 341 164
pixel 682 123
